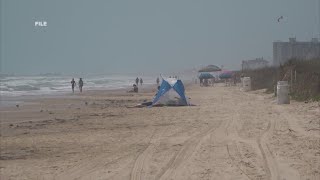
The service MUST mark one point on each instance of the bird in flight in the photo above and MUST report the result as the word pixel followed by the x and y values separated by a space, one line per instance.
pixel 281 17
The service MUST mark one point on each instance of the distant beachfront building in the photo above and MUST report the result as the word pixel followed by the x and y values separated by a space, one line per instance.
pixel 283 51
pixel 254 64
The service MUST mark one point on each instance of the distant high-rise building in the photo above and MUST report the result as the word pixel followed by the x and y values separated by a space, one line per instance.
pixel 283 51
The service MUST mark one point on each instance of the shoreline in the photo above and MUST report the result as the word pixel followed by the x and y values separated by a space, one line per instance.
pixel 12 101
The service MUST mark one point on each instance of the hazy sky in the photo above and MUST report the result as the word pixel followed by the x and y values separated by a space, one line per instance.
pixel 107 36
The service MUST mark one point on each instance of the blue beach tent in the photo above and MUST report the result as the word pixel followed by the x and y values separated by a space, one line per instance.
pixel 171 93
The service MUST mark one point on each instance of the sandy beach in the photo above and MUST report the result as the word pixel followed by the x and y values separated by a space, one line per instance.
pixel 229 134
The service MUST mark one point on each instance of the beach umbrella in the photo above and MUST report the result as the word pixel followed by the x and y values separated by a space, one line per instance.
pixel 226 74
pixel 210 68
pixel 206 76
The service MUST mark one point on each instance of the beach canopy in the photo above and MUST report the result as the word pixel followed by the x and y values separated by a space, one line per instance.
pixel 171 93
pixel 226 74
pixel 206 75
pixel 210 68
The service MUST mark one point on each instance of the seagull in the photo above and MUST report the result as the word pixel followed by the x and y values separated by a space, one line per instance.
pixel 281 17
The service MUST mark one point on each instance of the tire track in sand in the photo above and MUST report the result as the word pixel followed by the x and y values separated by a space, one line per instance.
pixel 269 162
pixel 142 160
pixel 185 152
pixel 234 160
pixel 136 173
pixel 137 169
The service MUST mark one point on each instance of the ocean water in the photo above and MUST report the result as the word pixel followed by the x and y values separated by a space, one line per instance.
pixel 15 86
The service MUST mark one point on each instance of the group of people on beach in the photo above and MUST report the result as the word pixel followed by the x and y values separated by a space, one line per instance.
pixel 73 84
pixel 135 86
pixel 232 81
pixel 207 82
pixel 139 80
pixel 176 77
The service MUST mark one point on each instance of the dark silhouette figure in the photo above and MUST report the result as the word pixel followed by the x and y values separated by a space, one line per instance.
pixel 158 81
pixel 80 84
pixel 137 81
pixel 73 84
pixel 141 81
pixel 135 88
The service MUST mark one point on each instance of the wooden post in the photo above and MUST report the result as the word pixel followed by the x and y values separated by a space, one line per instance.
pixel 275 87
pixel 291 83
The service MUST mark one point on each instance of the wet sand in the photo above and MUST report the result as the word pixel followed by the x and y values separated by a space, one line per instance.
pixel 229 135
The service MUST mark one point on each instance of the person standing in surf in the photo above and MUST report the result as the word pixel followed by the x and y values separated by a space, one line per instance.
pixel 141 81
pixel 80 84
pixel 73 84
pixel 137 81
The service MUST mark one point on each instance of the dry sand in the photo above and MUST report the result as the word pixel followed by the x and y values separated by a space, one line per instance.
pixel 229 135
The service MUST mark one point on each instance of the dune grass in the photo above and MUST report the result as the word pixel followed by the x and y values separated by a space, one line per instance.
pixel 302 75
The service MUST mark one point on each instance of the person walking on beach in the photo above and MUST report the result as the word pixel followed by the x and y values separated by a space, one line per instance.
pixel 80 84
pixel 141 81
pixel 158 81
pixel 234 79
pixel 137 81
pixel 73 84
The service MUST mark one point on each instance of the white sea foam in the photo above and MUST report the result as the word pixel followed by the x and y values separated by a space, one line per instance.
pixel 13 86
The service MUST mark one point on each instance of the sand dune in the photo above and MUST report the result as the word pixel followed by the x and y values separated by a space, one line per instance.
pixel 229 135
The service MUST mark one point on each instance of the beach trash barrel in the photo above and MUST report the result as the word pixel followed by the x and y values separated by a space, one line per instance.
pixel 246 83
pixel 283 92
